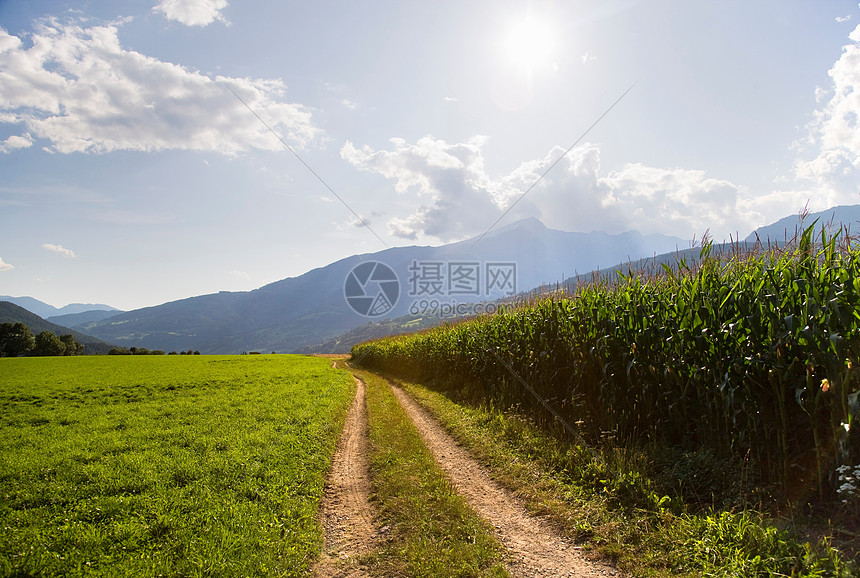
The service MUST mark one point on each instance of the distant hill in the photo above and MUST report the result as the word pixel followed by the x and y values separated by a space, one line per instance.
pixel 290 314
pixel 780 232
pixel 372 330
pixel 787 228
pixel 11 313
pixel 74 308
pixel 44 310
pixel 653 264
pixel 78 320
pixel 32 305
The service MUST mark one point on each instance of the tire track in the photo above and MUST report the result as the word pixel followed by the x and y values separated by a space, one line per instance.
pixel 346 512
pixel 534 548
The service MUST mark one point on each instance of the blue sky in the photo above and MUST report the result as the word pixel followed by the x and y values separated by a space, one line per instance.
pixel 132 175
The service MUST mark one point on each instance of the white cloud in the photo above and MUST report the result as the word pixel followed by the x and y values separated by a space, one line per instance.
pixel 193 12
pixel 241 275
pixel 449 99
pixel 833 174
pixel 675 201
pixel 77 88
pixel 5 266
pixel 843 18
pixel 16 142
pixel 457 198
pixel 780 203
pixel 359 223
pixel 448 179
pixel 59 250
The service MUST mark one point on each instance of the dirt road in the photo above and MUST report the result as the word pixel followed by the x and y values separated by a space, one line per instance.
pixel 534 548
pixel 346 513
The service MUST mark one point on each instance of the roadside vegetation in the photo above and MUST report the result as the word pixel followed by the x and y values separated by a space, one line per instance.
pixel 607 500
pixel 428 529
pixel 698 401
pixel 166 465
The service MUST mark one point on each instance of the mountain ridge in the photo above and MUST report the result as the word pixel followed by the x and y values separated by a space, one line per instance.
pixel 292 313
pixel 12 313
pixel 46 310
pixel 789 227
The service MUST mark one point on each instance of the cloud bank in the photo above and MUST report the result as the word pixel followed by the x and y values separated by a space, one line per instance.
pixel 5 266
pixel 78 89
pixel 459 198
pixel 833 174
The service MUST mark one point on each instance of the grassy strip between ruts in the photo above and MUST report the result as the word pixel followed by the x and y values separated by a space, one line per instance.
pixel 592 502
pixel 149 466
pixel 430 529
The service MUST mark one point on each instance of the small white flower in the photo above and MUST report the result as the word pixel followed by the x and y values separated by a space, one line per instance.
pixel 849 479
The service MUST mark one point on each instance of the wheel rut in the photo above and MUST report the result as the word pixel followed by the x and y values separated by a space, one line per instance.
pixel 534 548
pixel 346 512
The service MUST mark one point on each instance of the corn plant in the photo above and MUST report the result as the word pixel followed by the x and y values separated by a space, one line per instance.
pixel 751 355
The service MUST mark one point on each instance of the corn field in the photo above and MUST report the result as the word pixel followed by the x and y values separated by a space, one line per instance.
pixel 753 356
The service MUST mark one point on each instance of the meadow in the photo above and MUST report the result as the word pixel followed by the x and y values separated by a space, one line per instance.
pixel 179 465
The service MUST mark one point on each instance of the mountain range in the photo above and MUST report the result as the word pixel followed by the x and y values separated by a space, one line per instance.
pixel 12 313
pixel 403 284
pixel 847 216
pixel 46 311
pixel 296 312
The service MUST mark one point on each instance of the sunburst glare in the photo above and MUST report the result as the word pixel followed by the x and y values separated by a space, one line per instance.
pixel 529 42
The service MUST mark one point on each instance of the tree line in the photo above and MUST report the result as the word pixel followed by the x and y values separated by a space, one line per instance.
pixel 134 351
pixel 16 339
pixel 145 351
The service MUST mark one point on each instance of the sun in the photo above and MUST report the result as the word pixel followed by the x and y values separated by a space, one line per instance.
pixel 529 42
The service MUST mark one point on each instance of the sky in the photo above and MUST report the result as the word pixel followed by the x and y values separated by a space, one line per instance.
pixel 152 150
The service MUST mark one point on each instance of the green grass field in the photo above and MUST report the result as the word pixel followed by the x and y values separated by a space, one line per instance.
pixel 191 465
